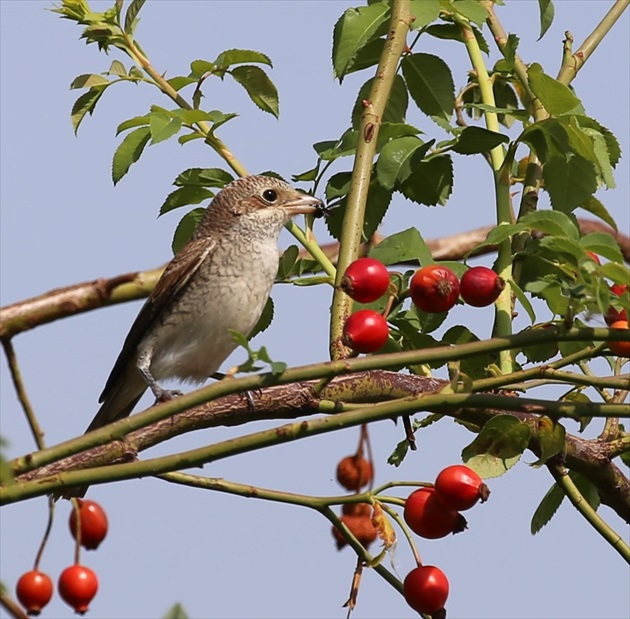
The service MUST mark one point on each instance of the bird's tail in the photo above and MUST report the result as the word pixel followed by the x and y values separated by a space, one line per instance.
pixel 118 403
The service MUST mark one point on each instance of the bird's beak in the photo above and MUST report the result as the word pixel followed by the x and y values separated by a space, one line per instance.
pixel 304 204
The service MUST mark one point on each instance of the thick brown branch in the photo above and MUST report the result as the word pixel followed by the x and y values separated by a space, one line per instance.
pixel 589 457
pixel 79 298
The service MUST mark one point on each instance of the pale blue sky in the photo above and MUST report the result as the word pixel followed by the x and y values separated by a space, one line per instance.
pixel 62 222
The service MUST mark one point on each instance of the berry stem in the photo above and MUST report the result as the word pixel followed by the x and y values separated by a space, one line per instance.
pixel 40 551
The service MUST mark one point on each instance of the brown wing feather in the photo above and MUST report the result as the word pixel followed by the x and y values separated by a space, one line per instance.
pixel 174 279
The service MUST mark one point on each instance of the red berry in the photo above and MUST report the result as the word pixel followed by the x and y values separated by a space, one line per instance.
pixel 434 288
pixel 481 286
pixel 618 347
pixel 426 589
pixel 365 331
pixel 428 517
pixel 354 472
pixel 365 280
pixel 356 509
pixel 77 586
pixel 93 524
pixel 594 256
pixel 615 315
pixel 459 487
pixel 34 590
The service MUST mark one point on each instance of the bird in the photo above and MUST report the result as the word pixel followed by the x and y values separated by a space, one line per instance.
pixel 219 281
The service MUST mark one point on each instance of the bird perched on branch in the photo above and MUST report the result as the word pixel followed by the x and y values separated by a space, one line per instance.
pixel 219 281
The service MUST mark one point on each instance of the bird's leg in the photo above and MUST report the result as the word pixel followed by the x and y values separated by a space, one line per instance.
pixel 249 396
pixel 161 394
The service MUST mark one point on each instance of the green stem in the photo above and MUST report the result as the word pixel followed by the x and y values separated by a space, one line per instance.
pixel 561 475
pixel 505 216
pixel 352 229
pixel 572 64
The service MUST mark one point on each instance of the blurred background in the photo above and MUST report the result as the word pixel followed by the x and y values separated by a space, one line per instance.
pixel 62 222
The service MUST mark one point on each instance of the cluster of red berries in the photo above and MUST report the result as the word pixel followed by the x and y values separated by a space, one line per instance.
pixel 77 584
pixel 354 473
pixel 616 319
pixel 433 512
pixel 433 289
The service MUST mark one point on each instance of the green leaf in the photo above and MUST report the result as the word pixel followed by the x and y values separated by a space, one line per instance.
pixel 129 151
pixel 474 140
pixel 85 104
pixel 474 367
pixel 162 125
pixel 612 144
pixel 602 244
pixel 185 196
pixel 368 56
pixel 498 235
pixel 308 176
pixel 287 262
pixel 117 68
pixel 180 81
pixel 555 96
pixel 402 247
pixel 394 162
pixel 239 56
pixel 430 84
pixel 523 300
pixel 547 508
pixel 198 68
pixel 131 17
pixel 400 452
pixel 471 9
pixel 587 489
pixel 454 33
pixel 430 182
pixel 551 439
pixel 546 16
pixel 185 228
pixel 259 87
pixel 548 138
pixel 395 109
pixel 595 207
pixel 569 183
pixel 177 611
pixel 551 222
pixel 204 177
pixel 498 447
pixel 425 12
pixel 265 319
pixel 509 51
pixel 355 28
pixel 136 121
pixel 87 80
pixel 377 204
pixel 619 273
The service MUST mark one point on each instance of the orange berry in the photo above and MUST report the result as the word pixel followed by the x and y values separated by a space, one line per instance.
pixel 620 348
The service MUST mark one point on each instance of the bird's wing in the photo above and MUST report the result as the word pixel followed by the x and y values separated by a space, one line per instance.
pixel 174 279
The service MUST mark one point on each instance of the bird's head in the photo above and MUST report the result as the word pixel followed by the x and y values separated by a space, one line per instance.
pixel 257 200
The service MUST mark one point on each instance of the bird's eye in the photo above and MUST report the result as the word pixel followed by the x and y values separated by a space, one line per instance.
pixel 269 195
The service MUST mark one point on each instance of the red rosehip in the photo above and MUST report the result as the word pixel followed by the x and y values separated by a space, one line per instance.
pixel 77 586
pixel 613 314
pixel 459 487
pixel 93 523
pixel 365 331
pixel 353 472
pixel 34 590
pixel 360 526
pixel 426 589
pixel 365 280
pixel 480 286
pixel 594 256
pixel 428 517
pixel 434 288
pixel 618 347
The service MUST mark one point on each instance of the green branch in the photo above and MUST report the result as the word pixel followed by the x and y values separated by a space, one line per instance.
pixel 352 230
